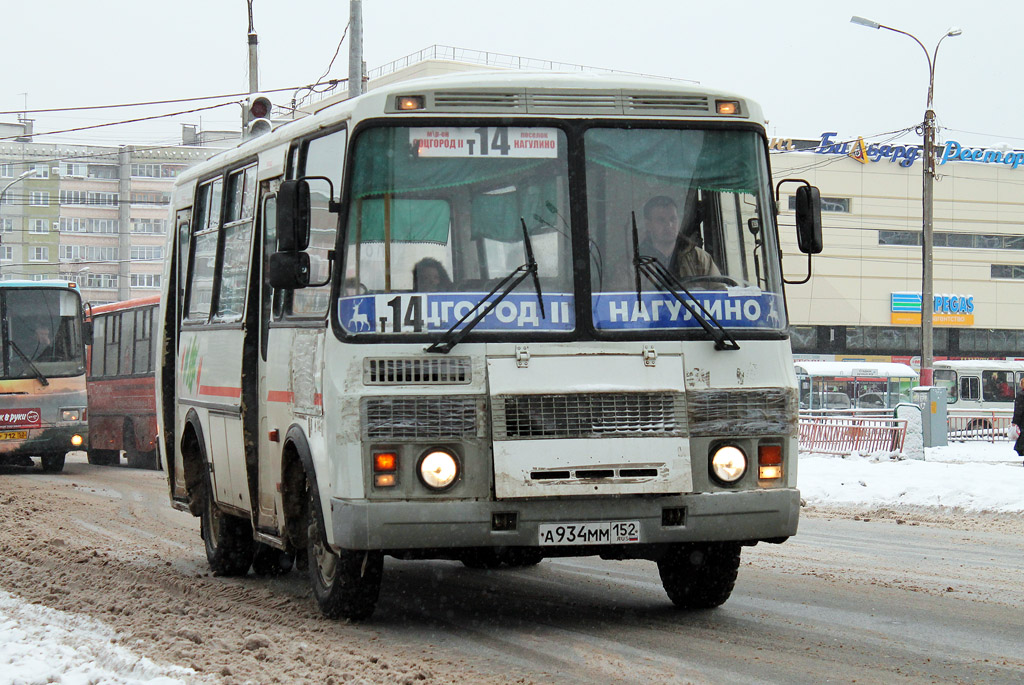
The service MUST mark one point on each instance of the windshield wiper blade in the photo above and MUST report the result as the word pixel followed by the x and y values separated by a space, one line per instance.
pixel 453 337
pixel 35 369
pixel 660 276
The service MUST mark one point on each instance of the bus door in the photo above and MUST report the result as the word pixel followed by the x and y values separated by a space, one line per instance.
pixel 212 342
pixel 293 324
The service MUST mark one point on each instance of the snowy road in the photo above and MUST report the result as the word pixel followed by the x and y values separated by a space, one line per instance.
pixel 873 594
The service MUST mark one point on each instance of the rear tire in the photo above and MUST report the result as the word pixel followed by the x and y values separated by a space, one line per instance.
pixel 136 458
pixel 345 584
pixel 104 457
pixel 229 543
pixel 53 463
pixel 700 576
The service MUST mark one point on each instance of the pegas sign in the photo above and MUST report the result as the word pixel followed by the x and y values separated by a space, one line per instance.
pixel 947 309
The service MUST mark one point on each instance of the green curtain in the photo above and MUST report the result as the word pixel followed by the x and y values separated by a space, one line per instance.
pixel 412 221
pixel 721 161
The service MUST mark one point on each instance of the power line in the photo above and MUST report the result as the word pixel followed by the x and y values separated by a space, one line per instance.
pixel 118 123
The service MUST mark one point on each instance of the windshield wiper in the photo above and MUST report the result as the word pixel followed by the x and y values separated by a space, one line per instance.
pixel 33 367
pixel 660 276
pixel 451 337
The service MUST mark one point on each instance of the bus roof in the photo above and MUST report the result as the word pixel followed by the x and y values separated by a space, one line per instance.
pixel 49 283
pixel 125 304
pixel 856 369
pixel 994 364
pixel 511 93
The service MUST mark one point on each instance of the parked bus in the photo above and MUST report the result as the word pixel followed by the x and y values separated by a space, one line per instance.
pixel 853 385
pixel 42 385
pixel 122 404
pixel 979 390
pixel 432 322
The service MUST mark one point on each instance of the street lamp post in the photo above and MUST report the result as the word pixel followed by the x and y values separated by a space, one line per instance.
pixel 3 191
pixel 927 198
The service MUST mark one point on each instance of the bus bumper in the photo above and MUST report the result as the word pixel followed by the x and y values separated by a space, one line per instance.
pixel 722 516
pixel 49 440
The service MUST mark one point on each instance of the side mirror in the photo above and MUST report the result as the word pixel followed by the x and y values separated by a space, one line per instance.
pixel 293 215
pixel 289 270
pixel 808 219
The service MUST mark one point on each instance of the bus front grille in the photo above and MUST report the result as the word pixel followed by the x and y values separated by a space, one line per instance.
pixel 589 415
pixel 757 411
pixel 414 371
pixel 434 417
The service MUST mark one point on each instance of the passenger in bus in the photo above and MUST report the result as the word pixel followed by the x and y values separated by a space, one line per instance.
pixel 430 276
pixel 675 248
pixel 1005 388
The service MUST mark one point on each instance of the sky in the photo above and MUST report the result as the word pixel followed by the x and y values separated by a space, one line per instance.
pixel 808 66
pixel 39 644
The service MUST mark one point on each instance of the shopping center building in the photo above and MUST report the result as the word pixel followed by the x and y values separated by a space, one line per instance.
pixel 863 300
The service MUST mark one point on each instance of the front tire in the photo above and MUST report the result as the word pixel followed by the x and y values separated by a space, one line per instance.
pixel 53 463
pixel 229 543
pixel 700 576
pixel 345 584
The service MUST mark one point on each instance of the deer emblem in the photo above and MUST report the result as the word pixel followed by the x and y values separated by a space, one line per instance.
pixel 358 319
pixel 773 314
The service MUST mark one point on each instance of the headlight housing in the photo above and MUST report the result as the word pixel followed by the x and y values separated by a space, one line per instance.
pixel 728 463
pixel 438 469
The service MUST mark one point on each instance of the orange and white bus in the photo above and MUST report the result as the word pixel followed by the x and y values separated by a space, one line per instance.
pixel 122 404
pixel 433 322
pixel 43 406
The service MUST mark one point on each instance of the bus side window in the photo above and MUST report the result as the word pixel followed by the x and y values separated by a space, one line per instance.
pixel 970 387
pixel 236 244
pixel 204 251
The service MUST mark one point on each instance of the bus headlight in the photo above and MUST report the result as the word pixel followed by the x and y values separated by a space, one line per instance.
pixel 438 469
pixel 70 414
pixel 728 463
pixel 76 440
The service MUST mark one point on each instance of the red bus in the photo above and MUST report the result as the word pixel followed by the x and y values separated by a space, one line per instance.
pixel 122 405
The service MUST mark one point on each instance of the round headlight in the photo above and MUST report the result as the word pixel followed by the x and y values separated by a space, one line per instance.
pixel 728 463
pixel 438 469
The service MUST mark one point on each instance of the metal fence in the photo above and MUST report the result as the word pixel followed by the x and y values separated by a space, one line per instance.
pixel 990 426
pixel 848 432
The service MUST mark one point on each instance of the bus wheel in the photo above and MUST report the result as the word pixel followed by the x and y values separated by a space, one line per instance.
pixel 270 561
pixel 700 576
pixel 104 457
pixel 136 458
pixel 53 462
pixel 229 543
pixel 345 584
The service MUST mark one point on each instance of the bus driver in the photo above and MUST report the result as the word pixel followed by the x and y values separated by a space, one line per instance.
pixel 675 249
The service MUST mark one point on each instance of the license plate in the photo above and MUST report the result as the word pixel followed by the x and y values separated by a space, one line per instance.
pixel 590 533
pixel 13 435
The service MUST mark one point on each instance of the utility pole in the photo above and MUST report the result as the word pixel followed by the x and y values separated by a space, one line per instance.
pixel 254 73
pixel 355 48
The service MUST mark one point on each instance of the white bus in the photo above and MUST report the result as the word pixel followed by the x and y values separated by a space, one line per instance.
pixel 979 384
pixel 833 385
pixel 428 322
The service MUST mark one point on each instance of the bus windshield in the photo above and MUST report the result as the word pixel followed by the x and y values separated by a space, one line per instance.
pixel 698 201
pixel 437 217
pixel 42 333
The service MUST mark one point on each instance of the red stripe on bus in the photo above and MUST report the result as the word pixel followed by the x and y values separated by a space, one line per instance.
pixel 219 391
pixel 280 396
pixel 318 400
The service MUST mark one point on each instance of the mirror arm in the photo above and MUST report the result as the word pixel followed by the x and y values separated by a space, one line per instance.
pixel 807 278
pixel 330 271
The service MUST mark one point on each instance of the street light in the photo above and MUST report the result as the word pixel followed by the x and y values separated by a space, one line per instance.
pixel 927 295
pixel 3 191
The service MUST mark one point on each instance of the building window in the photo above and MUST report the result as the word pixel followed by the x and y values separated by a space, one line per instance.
pixel 99 281
pixel 149 226
pixel 6 253
pixel 39 226
pixel 975 241
pixel 107 199
pixel 6 171
pixel 39 198
pixel 146 170
pixel 151 198
pixel 39 253
pixel 172 170
pixel 1008 271
pixel 147 252
pixel 73 197
pixel 72 225
pixel 828 204
pixel 104 171
pixel 145 280
pixel 41 171
pixel 73 169
pixel 6 225
pixel 803 338
pixel 104 225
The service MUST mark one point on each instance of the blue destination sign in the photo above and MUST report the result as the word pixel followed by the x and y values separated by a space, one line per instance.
pixel 747 308
pixel 432 312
